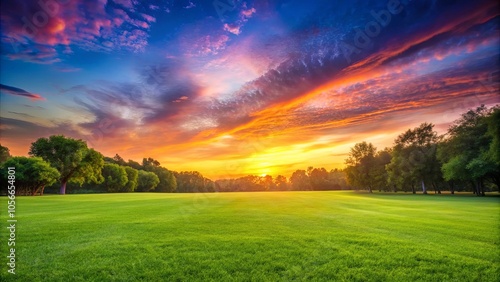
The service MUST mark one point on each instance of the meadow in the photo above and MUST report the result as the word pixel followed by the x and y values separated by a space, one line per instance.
pixel 261 236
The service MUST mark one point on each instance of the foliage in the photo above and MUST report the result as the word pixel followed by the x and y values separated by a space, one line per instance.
pixel 4 153
pixel 72 158
pixel 193 181
pixel 132 176
pixel 338 180
pixel 168 182
pixel 300 181
pixel 494 132
pixel 319 179
pixel 379 172
pixel 146 181
pixel 361 165
pixel 134 164
pixel 414 158
pixel 115 177
pixel 468 153
pixel 31 174
pixel 281 183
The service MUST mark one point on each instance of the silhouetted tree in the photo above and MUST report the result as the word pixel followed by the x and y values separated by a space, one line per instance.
pixel 319 179
pixel 300 181
pixel 361 165
pixel 4 153
pixel 280 183
pixel 338 179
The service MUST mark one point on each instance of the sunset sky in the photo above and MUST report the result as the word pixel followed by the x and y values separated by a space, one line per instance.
pixel 250 87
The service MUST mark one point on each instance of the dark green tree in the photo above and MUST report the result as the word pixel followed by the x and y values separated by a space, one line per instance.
pixel 361 165
pixel 494 132
pixel 168 182
pixel 468 143
pixel 132 176
pixel 32 174
pixel 414 157
pixel 4 154
pixel 134 164
pixel 147 181
pixel 379 172
pixel 71 157
pixel 115 177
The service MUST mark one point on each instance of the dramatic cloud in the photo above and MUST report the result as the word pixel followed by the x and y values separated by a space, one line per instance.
pixel 258 87
pixel 38 31
pixel 19 92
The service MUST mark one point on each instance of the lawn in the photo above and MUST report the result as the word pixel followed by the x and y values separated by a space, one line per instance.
pixel 287 236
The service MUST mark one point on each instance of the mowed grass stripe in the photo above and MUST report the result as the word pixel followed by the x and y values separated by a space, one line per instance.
pixel 268 236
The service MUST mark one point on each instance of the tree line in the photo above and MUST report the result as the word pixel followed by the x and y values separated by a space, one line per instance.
pixel 466 158
pixel 312 179
pixel 67 162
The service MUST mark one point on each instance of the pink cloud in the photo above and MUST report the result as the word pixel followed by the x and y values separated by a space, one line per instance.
pixel 248 13
pixel 149 18
pixel 244 15
pixel 207 45
pixel 233 28
pixel 87 24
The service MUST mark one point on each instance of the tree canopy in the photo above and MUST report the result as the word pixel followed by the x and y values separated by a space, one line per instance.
pixel 146 181
pixel 31 174
pixel 4 153
pixel 414 157
pixel 71 157
pixel 469 152
pixel 361 165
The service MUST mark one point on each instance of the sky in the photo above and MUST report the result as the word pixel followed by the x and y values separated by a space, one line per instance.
pixel 231 88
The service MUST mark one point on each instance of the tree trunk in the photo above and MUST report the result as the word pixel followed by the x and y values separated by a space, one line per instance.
pixel 62 191
pixel 482 187
pixel 424 191
pixel 41 190
pixel 413 189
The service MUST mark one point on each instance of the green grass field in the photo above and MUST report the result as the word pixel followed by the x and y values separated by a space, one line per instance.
pixel 288 236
